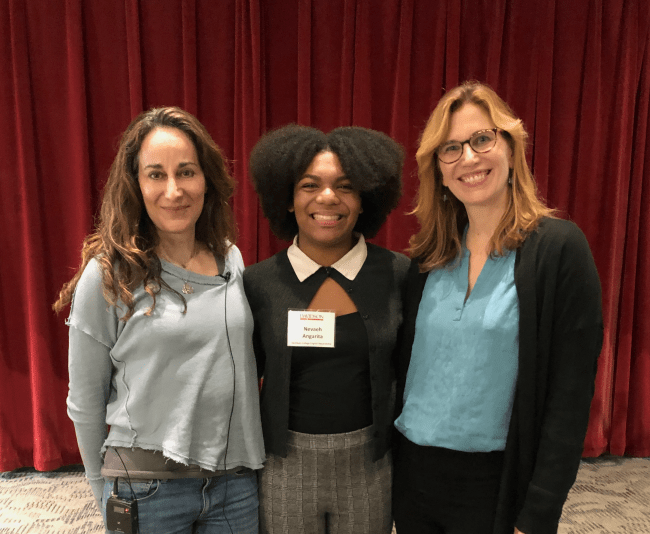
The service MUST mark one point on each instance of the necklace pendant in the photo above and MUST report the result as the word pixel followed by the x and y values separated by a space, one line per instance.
pixel 187 289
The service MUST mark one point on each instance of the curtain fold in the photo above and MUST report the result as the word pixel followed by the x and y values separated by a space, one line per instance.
pixel 15 86
pixel 190 52
pixel 34 375
pixel 73 74
pixel 631 407
pixel 248 119
pixel 133 57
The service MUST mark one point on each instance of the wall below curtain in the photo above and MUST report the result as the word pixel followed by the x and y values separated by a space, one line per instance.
pixel 74 73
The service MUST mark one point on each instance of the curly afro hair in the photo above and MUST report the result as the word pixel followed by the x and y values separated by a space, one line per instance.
pixel 371 160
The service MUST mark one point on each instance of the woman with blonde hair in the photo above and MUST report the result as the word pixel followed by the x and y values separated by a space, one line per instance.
pixel 503 328
pixel 160 340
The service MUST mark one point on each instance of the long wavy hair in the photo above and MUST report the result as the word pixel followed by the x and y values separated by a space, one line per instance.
pixel 443 219
pixel 125 238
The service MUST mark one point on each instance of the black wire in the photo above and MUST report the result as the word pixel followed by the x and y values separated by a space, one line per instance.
pixel 128 478
pixel 232 407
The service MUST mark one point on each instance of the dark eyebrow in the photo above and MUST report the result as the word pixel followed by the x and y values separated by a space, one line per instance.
pixel 180 165
pixel 315 177
pixel 476 132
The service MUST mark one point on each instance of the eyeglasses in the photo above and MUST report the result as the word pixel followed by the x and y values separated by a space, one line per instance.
pixel 480 142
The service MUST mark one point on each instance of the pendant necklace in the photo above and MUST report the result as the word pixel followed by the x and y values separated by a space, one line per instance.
pixel 187 288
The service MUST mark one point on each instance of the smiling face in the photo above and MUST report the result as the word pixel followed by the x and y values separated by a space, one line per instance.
pixel 325 205
pixel 477 180
pixel 172 182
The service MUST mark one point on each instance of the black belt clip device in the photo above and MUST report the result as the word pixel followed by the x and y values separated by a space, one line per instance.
pixel 121 515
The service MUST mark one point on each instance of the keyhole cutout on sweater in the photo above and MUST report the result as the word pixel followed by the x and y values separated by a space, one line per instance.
pixel 331 296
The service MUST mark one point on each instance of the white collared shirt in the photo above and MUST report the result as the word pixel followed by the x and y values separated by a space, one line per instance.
pixel 349 265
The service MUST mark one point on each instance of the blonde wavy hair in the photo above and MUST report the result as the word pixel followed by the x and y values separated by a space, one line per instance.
pixel 438 242
pixel 125 238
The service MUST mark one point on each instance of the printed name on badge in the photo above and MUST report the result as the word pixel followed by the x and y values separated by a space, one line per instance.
pixel 311 328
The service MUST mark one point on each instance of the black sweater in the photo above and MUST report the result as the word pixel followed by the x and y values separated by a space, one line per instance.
pixel 560 337
pixel 272 288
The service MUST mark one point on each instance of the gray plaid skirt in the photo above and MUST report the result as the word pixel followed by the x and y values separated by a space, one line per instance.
pixel 327 484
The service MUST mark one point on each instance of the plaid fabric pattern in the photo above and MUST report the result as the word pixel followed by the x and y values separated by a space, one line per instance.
pixel 327 484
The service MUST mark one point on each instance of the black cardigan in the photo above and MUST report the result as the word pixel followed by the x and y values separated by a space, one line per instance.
pixel 560 337
pixel 272 288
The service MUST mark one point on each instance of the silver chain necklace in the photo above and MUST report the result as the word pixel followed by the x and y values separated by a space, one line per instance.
pixel 187 288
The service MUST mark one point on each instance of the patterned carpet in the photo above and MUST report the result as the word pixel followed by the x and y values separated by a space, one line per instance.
pixel 611 496
pixel 54 502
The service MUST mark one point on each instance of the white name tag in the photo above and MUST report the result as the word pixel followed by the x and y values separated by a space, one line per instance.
pixel 309 328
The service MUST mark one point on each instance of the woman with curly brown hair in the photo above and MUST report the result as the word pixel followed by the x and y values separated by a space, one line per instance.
pixel 327 397
pixel 503 327
pixel 160 338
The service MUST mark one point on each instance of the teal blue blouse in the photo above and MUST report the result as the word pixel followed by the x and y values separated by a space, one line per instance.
pixel 461 380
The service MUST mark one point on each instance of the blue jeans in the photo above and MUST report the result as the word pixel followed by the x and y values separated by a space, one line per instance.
pixel 218 505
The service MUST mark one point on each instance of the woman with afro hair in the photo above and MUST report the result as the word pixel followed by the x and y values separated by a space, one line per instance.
pixel 327 404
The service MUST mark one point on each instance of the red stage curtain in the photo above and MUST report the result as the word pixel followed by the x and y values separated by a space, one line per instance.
pixel 74 73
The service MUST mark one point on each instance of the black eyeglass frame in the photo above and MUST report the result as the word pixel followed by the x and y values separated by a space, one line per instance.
pixel 468 141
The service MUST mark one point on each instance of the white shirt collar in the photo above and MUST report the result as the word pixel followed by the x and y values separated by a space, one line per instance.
pixel 349 265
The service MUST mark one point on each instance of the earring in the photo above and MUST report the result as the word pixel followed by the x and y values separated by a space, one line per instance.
pixel 444 197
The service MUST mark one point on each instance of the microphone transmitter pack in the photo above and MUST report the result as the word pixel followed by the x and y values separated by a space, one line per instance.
pixel 122 515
